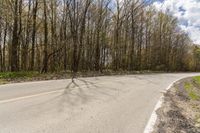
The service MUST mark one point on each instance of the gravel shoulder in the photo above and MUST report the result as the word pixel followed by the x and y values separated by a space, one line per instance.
pixel 180 111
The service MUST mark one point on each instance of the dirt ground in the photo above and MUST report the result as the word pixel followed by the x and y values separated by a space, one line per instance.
pixel 180 111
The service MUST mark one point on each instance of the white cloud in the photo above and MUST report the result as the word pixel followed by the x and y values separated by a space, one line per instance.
pixel 188 14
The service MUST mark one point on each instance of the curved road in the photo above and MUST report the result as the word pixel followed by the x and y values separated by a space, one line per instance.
pixel 108 104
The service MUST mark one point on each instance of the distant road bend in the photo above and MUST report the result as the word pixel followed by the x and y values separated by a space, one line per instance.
pixel 108 104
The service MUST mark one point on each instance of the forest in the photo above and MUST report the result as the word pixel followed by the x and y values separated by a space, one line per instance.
pixel 92 35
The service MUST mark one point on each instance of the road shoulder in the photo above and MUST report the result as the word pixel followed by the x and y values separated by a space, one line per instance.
pixel 180 111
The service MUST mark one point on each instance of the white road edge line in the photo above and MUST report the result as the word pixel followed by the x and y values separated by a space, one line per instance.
pixel 152 121
pixel 30 96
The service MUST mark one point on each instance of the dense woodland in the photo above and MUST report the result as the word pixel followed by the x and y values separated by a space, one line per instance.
pixel 92 35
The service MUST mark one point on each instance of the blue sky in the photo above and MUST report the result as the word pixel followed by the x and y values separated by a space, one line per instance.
pixel 187 12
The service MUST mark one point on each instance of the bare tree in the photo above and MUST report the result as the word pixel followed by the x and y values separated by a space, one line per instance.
pixel 91 35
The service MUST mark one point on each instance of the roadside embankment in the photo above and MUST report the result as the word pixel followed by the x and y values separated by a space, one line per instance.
pixel 180 111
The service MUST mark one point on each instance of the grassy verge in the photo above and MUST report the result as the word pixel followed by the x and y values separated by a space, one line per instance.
pixel 13 77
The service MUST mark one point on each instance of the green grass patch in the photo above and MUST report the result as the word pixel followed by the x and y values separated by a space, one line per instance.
pixel 188 86
pixel 14 75
pixel 197 79
pixel 191 93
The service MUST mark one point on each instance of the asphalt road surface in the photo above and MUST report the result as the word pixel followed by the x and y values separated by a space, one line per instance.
pixel 108 104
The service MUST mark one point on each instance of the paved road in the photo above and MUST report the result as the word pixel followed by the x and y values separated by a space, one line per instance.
pixel 109 104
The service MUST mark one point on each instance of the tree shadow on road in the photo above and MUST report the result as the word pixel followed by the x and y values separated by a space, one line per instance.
pixel 80 91
pixel 76 94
